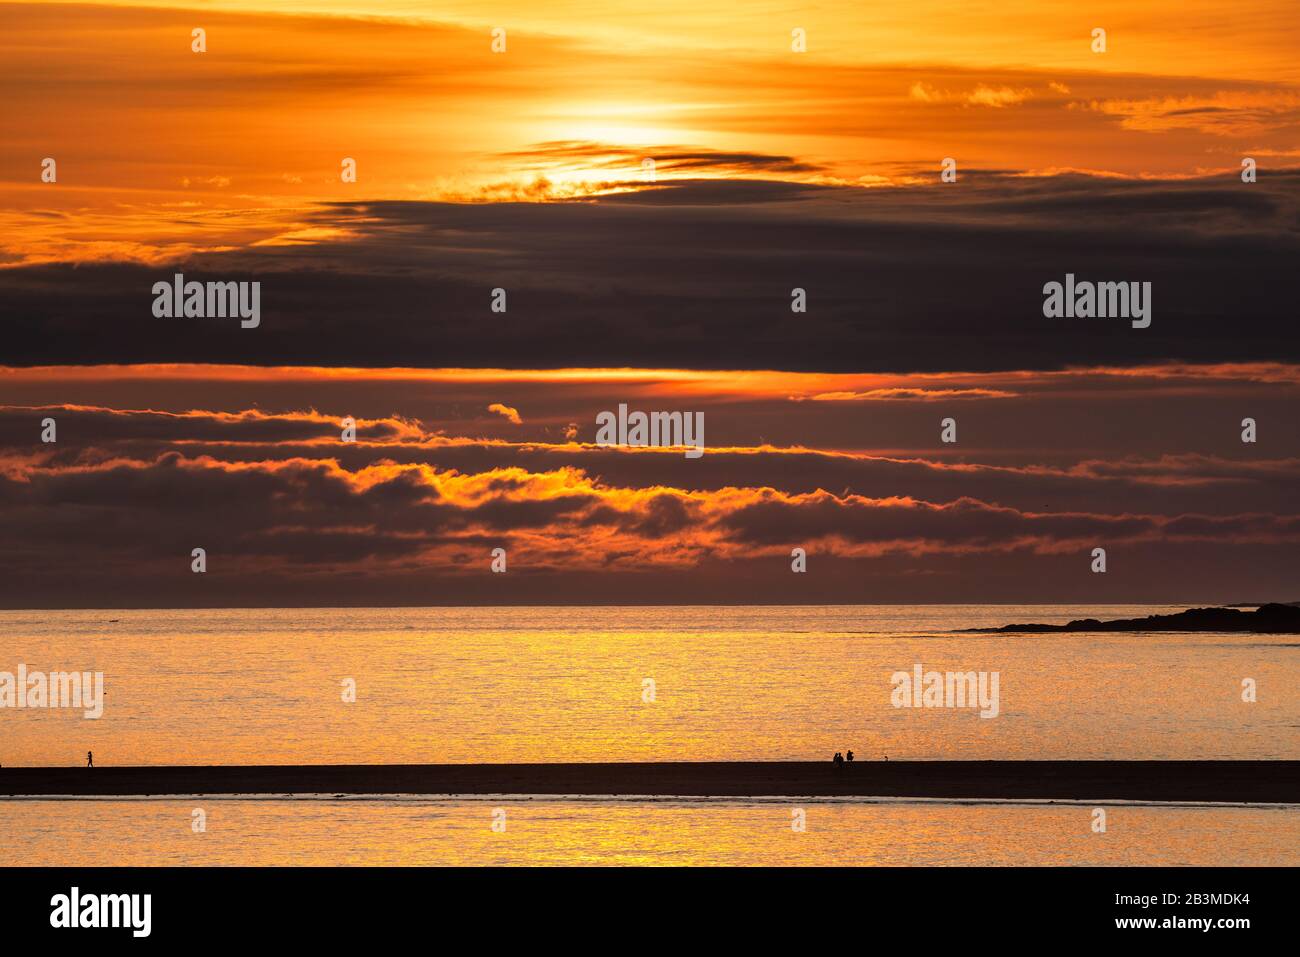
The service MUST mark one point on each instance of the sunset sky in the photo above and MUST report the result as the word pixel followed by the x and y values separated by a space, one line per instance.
pixel 526 170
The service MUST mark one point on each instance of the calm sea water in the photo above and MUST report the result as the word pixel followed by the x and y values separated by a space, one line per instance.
pixel 332 832
pixel 568 684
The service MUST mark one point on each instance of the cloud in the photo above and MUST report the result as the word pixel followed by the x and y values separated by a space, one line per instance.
pixel 625 164
pixel 1002 96
pixel 896 394
pixel 1225 113
pixel 980 95
pixel 510 414
pixel 219 182
pixel 314 513
pixel 698 273
pixel 279 499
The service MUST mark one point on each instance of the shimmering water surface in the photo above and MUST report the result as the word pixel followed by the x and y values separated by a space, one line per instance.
pixel 566 684
pixel 331 832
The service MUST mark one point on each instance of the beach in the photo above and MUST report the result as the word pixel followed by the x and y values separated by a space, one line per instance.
pixel 1184 781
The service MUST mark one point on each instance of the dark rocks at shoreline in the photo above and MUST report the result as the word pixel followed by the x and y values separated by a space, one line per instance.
pixel 1271 619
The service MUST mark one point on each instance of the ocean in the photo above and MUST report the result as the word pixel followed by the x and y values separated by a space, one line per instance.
pixel 538 684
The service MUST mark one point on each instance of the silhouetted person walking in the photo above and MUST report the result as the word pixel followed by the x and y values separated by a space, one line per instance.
pixel 90 759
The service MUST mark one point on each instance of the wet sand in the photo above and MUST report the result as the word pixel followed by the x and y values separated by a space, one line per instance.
pixel 1213 781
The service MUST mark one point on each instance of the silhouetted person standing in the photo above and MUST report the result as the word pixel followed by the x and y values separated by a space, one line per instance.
pixel 90 759
pixel 849 757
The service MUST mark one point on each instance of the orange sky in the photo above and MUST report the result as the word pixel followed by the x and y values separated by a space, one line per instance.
pixel 162 151
pixel 787 172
